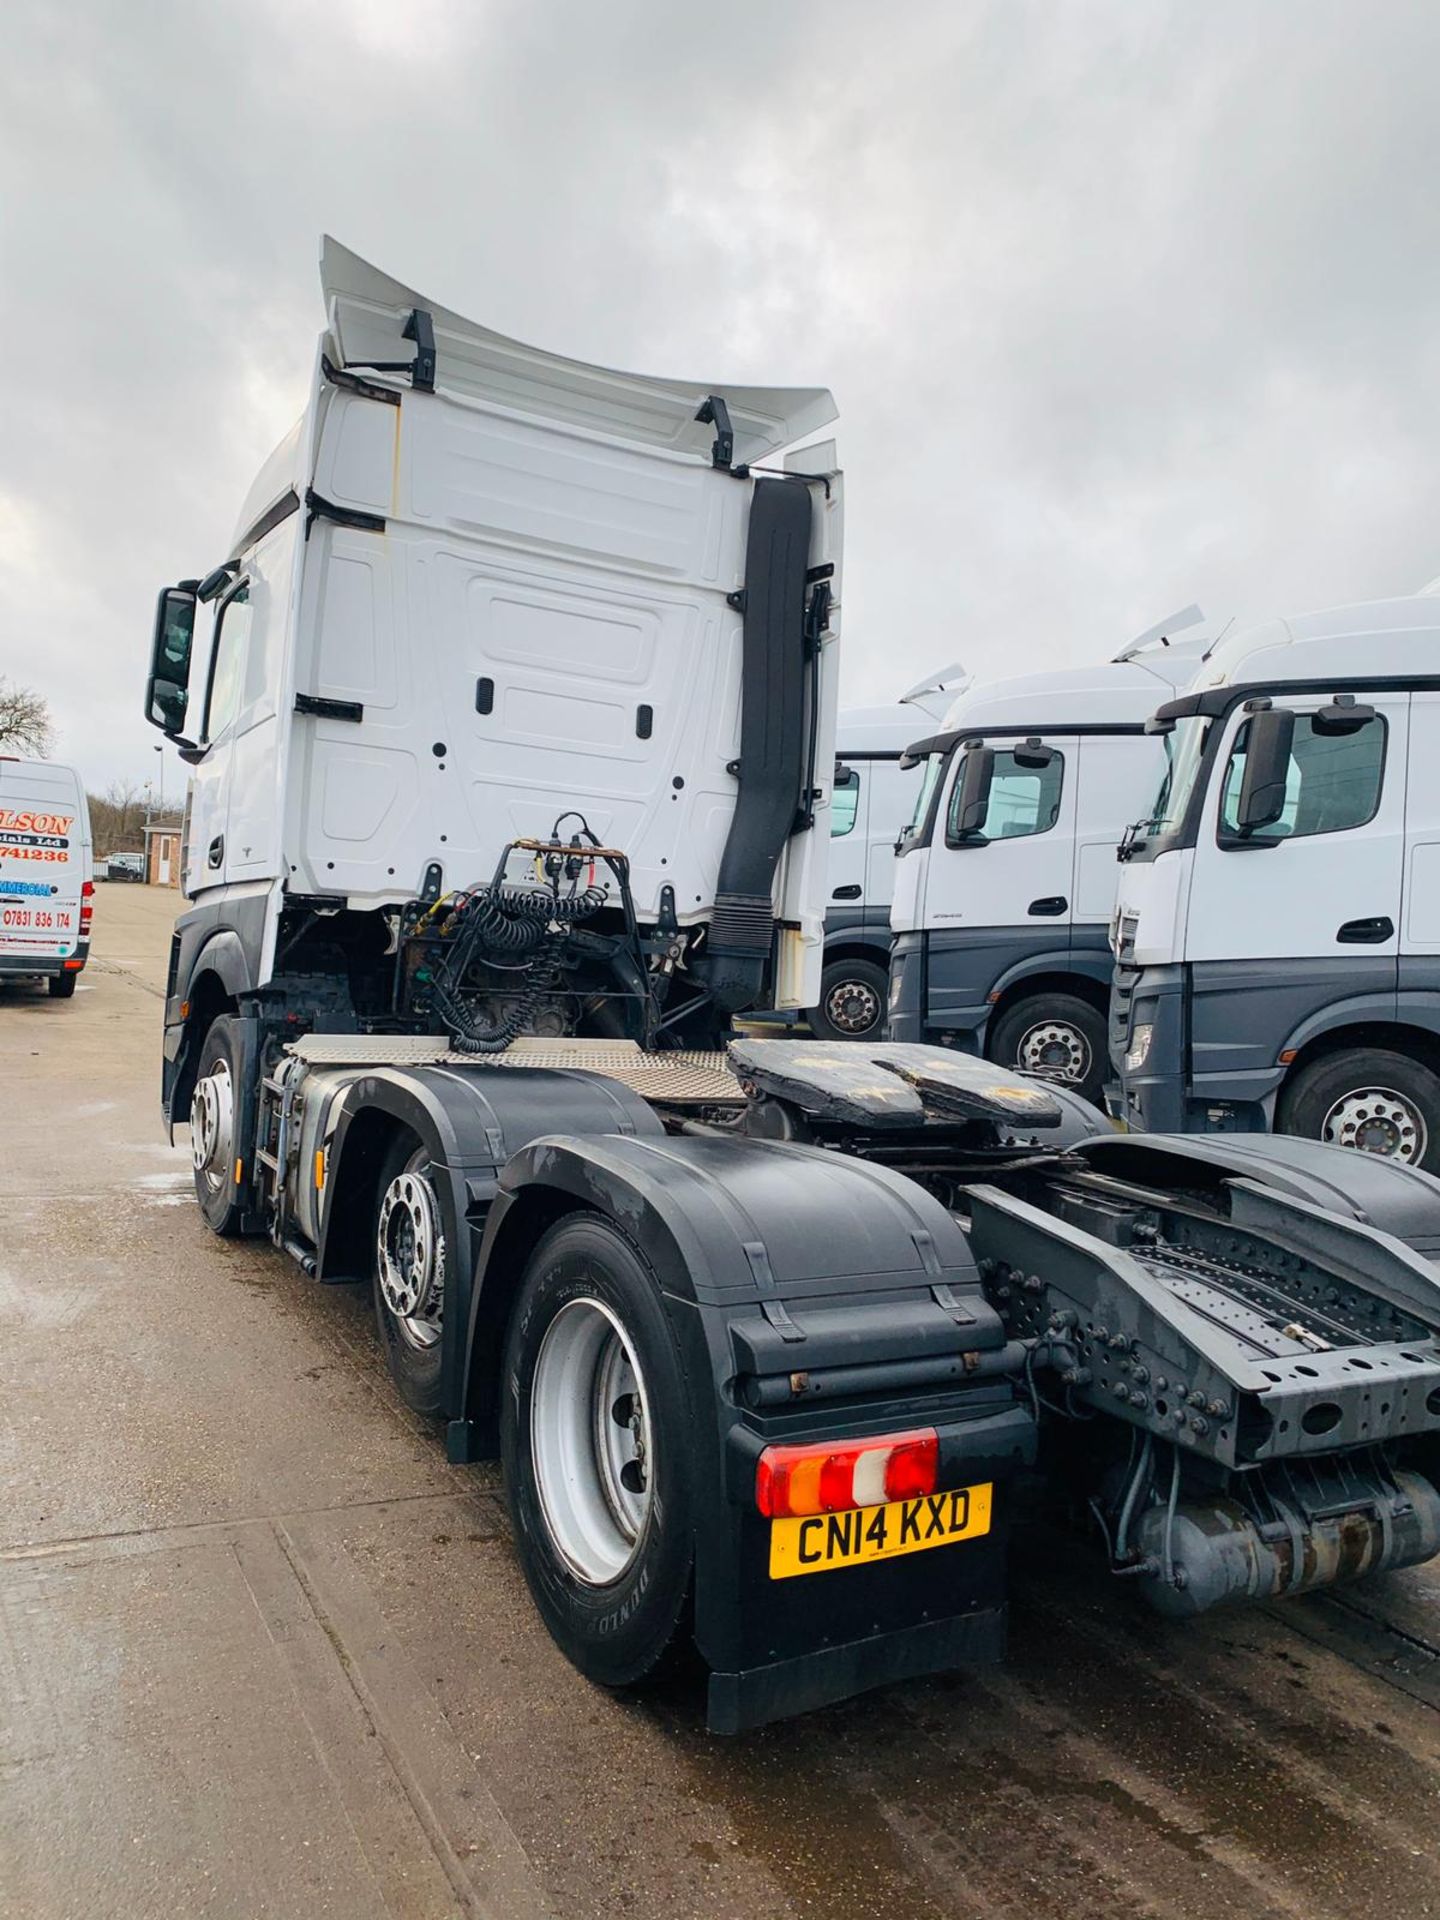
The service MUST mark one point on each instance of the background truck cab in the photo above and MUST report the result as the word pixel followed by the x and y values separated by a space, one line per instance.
pixel 1278 915
pixel 47 880
pixel 1006 881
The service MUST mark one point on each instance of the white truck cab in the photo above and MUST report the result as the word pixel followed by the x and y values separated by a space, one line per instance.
pixel 1277 926
pixel 482 600
pixel 872 803
pixel 1006 880
pixel 47 876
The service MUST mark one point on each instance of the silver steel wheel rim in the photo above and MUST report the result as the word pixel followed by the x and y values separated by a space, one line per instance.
pixel 1055 1048
pixel 852 1006
pixel 410 1255
pixel 590 1441
pixel 1377 1120
pixel 212 1126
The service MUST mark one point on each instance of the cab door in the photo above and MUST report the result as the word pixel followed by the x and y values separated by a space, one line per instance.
pixel 1322 882
pixel 1017 869
pixel 849 829
pixel 213 776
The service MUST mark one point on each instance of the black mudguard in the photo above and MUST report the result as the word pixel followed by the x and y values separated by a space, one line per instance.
pixel 781 1264
pixel 472 1120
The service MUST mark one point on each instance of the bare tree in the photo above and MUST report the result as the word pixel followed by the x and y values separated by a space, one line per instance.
pixel 24 720
pixel 117 818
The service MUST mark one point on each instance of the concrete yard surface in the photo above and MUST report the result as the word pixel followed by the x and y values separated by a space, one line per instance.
pixel 264 1652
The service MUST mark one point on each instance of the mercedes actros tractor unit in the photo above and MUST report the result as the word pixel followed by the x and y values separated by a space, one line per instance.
pixel 1277 921
pixel 511 719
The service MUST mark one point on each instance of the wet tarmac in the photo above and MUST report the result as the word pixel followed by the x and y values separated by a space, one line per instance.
pixel 264 1652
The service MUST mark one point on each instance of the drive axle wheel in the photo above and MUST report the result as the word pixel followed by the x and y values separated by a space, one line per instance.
pixel 1370 1099
pixel 1057 1036
pixel 213 1148
pixel 852 1002
pixel 593 1430
pixel 408 1271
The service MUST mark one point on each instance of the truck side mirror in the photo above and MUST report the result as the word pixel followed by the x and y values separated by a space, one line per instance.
pixel 167 691
pixel 972 802
pixel 1267 765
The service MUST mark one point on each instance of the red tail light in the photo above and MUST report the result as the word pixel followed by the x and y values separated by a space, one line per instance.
pixel 87 905
pixel 824 1478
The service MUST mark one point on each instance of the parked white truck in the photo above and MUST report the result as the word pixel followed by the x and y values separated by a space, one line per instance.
pixel 1006 880
pixel 1277 925
pixel 513 738
pixel 872 802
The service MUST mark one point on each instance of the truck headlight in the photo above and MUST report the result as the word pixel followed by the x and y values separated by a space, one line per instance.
pixel 1139 1051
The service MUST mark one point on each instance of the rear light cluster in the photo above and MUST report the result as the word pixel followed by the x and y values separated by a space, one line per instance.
pixel 87 907
pixel 824 1478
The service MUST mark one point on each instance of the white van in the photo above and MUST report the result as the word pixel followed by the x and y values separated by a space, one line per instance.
pixel 47 883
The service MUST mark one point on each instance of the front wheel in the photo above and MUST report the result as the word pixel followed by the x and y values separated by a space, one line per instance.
pixel 593 1439
pixel 214 1110
pixel 1371 1099
pixel 852 1002
pixel 1056 1035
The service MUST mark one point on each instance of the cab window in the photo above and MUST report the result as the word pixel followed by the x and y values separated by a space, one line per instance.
pixel 1332 782
pixel 1023 800
pixel 844 803
pixel 227 671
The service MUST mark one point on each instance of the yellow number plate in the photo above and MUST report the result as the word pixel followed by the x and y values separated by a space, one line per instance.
pixel 822 1541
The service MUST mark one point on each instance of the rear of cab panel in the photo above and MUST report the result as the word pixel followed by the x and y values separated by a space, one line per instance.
pixel 523 602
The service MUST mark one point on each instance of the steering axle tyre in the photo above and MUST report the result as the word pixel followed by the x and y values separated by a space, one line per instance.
pixel 214 1107
pixel 1058 1035
pixel 407 1267
pixel 62 985
pixel 594 1432
pixel 852 1002
pixel 1368 1098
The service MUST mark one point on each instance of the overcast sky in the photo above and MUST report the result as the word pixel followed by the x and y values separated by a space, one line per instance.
pixel 1124 305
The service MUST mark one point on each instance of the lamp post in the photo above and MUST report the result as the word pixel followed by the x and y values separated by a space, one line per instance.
pixel 161 752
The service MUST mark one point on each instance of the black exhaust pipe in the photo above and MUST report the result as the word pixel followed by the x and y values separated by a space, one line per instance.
pixel 773 742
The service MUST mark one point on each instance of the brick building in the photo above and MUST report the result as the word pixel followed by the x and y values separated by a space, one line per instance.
pixel 162 849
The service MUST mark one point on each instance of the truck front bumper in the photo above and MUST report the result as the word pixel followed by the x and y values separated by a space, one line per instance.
pixel 1154 1087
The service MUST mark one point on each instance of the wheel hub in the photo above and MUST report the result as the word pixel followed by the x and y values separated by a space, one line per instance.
pixel 411 1256
pixel 591 1442
pixel 212 1125
pixel 1377 1120
pixel 853 1006
pixel 1056 1049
